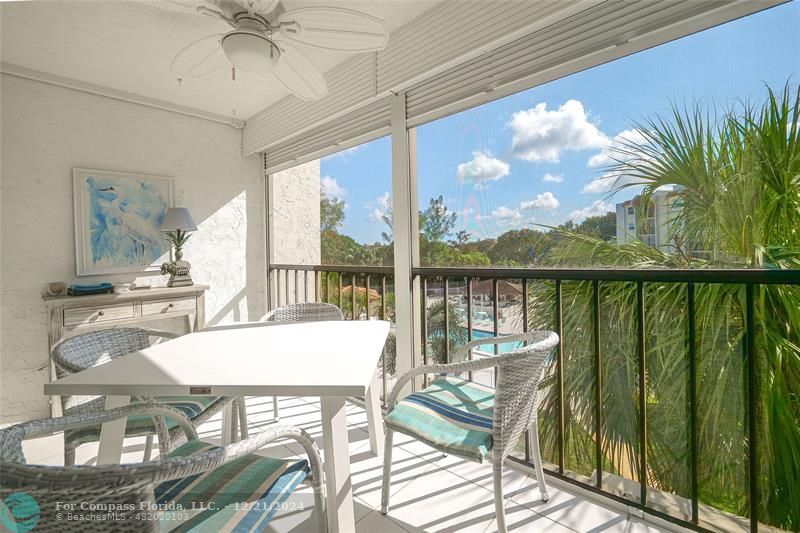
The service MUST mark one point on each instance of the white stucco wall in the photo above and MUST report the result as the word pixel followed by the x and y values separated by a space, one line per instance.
pixel 46 131
pixel 295 219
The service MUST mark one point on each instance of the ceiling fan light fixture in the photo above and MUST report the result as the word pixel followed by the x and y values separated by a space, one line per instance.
pixel 250 51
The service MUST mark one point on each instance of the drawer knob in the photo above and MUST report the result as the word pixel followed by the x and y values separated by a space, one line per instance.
pixel 101 313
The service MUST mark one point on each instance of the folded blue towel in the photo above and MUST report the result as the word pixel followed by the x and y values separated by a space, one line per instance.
pixel 92 287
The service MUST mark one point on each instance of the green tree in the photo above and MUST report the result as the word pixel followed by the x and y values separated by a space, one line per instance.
pixel 445 254
pixel 462 237
pixel 738 179
pixel 522 247
pixel 601 226
pixel 331 213
pixel 337 249
pixel 483 246
pixel 456 331
pixel 388 218
pixel 436 222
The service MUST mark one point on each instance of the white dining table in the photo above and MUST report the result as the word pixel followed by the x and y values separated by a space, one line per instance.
pixel 330 360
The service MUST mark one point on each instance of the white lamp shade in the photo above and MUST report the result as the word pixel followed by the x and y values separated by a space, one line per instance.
pixel 178 218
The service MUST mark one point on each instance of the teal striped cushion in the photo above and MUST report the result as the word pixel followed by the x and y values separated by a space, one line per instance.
pixel 452 414
pixel 259 485
pixel 191 406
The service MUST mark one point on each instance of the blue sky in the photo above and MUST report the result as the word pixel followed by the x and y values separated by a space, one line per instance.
pixel 535 157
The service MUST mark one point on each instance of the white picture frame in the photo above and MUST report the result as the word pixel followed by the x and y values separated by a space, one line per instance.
pixel 117 221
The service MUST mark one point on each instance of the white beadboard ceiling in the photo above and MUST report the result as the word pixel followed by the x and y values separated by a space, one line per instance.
pixel 128 48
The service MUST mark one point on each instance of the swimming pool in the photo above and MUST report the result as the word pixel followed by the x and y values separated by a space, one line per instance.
pixel 489 348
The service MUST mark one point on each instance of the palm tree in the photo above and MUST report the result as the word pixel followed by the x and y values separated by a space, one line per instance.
pixel 457 334
pixel 738 201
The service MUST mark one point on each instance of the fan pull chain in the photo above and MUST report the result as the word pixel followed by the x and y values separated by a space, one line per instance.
pixel 233 73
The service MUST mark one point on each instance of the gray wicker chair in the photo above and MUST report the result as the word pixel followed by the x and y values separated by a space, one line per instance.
pixel 188 477
pixel 490 421
pixel 95 348
pixel 303 312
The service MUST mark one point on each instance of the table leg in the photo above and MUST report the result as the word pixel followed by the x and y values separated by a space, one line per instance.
pixel 227 423
pixel 336 447
pixel 375 417
pixel 112 434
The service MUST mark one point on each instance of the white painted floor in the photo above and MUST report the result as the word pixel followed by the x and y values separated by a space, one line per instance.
pixel 429 492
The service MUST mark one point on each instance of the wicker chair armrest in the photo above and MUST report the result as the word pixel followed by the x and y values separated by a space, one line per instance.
pixel 153 472
pixel 535 337
pixel 266 317
pixel 538 340
pixel 40 428
pixel 450 368
pixel 162 333
pixel 69 367
pixel 303 312
pixel 256 442
pixel 176 467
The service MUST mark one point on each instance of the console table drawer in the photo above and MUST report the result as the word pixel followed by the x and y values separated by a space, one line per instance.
pixel 173 305
pixel 90 315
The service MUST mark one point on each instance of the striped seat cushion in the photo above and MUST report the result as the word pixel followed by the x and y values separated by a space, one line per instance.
pixel 451 414
pixel 191 406
pixel 242 495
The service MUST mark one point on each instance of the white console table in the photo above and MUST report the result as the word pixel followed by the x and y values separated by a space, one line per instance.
pixel 75 314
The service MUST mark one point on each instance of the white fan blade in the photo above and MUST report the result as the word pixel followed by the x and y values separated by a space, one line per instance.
pixel 299 74
pixel 259 7
pixel 179 7
pixel 201 57
pixel 334 28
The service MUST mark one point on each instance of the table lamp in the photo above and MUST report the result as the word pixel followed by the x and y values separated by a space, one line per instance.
pixel 177 224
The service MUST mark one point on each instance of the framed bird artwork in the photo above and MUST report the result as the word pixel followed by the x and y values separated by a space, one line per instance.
pixel 118 219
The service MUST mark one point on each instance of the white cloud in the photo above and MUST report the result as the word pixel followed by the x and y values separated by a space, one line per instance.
pixel 332 189
pixel 553 178
pixel 609 155
pixel 545 200
pixel 610 181
pixel 505 216
pixel 598 207
pixel 540 135
pixel 517 216
pixel 380 207
pixel 481 169
pixel 604 183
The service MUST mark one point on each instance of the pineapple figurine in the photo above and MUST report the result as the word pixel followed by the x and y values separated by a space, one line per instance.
pixel 177 269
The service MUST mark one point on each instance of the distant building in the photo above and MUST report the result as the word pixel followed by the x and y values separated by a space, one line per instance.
pixel 654 228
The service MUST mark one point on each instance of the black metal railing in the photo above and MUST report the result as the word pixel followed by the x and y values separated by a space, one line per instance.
pixel 455 288
pixel 749 280
pixel 295 283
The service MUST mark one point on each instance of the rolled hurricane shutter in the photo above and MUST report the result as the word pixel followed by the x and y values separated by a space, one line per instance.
pixel 598 34
pixel 359 126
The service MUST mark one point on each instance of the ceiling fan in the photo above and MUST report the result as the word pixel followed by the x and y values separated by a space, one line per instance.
pixel 263 39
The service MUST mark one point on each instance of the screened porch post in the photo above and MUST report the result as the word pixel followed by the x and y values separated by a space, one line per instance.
pixel 269 234
pixel 405 229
